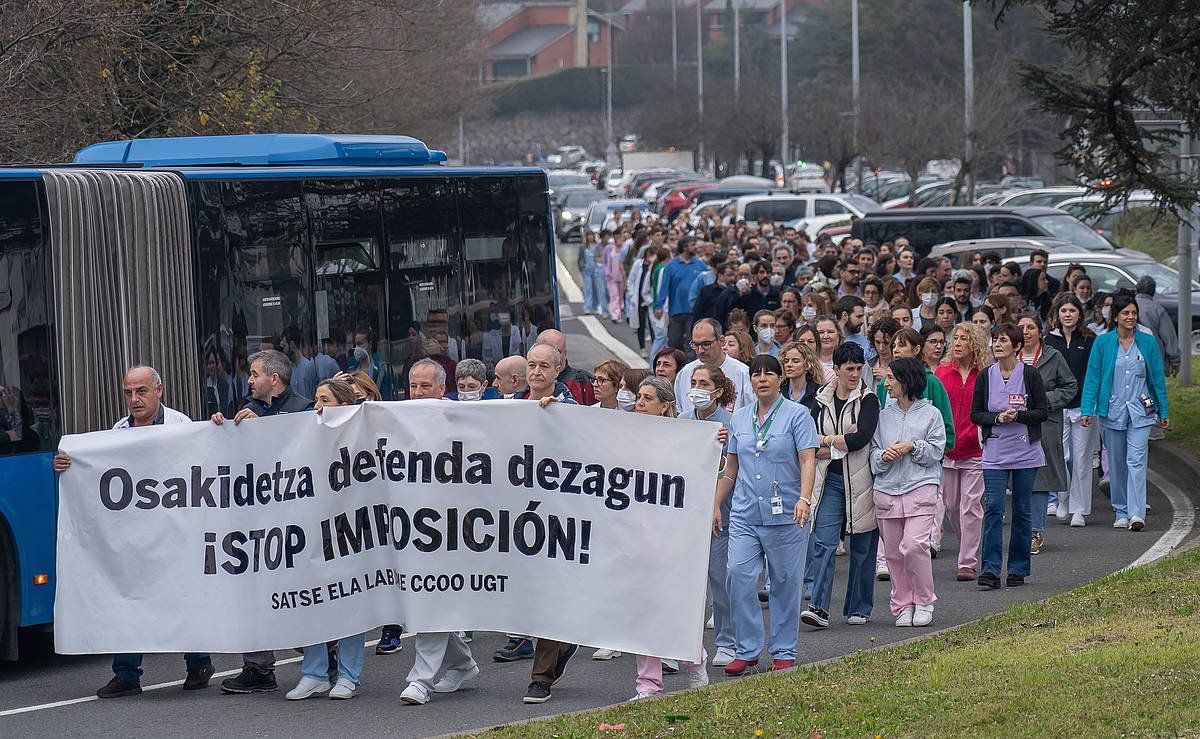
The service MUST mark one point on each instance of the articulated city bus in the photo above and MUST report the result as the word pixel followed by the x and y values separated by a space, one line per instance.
pixel 189 254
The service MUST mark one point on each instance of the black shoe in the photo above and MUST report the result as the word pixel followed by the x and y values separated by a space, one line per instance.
pixel 118 688
pixel 560 667
pixel 1014 581
pixel 763 596
pixel 198 679
pixel 988 581
pixel 250 680
pixel 518 648
pixel 538 692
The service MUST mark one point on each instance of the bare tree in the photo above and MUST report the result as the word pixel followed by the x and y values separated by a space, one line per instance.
pixel 913 122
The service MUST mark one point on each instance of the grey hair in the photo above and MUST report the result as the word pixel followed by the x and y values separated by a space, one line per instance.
pixel 153 373
pixel 439 372
pixel 664 391
pixel 558 358
pixel 471 368
pixel 274 362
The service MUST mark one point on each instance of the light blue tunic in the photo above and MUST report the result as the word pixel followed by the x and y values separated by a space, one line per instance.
pixel 791 431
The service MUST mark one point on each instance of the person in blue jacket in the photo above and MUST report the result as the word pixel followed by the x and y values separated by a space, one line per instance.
pixel 674 288
pixel 1125 387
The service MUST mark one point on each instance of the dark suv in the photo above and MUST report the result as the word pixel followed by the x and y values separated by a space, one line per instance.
pixel 925 227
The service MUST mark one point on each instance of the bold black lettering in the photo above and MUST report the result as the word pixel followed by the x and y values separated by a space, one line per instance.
pixel 395 466
pixel 305 488
pixel 547 474
pixel 339 472
pixel 520 469
pixel 176 494
pixel 145 491
pixel 202 487
pixel 671 491
pixel 363 467
pixel 448 467
pixel 263 490
pixel 243 488
pixel 593 484
pixel 123 500
pixel 232 546
pixel 480 470
pixel 421 520
pixel 572 469
pixel 425 460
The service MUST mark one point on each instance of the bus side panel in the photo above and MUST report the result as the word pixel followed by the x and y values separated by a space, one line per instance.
pixel 30 511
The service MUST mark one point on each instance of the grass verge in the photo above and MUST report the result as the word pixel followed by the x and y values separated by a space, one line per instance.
pixel 1120 656
pixel 1184 404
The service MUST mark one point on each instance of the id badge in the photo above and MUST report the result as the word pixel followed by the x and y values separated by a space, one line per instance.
pixel 777 505
pixel 1016 400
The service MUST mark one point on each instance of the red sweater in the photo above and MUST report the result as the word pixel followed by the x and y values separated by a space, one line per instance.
pixel 966 434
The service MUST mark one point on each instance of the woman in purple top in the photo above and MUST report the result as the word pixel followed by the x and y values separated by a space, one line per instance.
pixel 1009 406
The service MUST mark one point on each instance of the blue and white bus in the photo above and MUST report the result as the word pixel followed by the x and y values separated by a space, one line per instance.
pixel 346 252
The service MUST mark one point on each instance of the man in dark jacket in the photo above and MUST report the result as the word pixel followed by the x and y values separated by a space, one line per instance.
pixel 270 395
pixel 578 381
pixel 761 295
pixel 716 300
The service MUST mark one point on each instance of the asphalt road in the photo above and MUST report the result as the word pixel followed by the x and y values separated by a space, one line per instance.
pixel 49 695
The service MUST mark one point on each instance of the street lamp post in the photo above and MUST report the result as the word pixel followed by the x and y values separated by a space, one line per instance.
pixel 610 153
pixel 700 78
pixel 674 45
pixel 737 48
pixel 969 101
pixel 783 87
pixel 858 171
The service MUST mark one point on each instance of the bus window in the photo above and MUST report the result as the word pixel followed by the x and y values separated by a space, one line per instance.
pixel 28 400
pixel 348 305
pixel 423 284
pixel 536 258
pixel 271 286
pixel 495 276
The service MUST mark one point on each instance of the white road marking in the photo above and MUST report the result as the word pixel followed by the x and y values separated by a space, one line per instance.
pixel 1182 520
pixel 158 686
pixel 594 326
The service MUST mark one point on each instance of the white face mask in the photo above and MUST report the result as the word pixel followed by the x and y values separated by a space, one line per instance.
pixel 776 280
pixel 470 394
pixel 808 312
pixel 929 299
pixel 766 335
pixel 626 400
pixel 700 398
pixel 1105 312
pixel 504 318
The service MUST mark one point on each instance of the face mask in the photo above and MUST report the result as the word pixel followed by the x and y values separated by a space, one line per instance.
pixel 1105 312
pixel 929 299
pixel 808 312
pixel 766 335
pixel 504 318
pixel 626 400
pixel 700 398
pixel 776 280
pixel 509 396
pixel 470 394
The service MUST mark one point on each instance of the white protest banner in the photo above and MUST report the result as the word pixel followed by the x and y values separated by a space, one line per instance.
pixel 577 524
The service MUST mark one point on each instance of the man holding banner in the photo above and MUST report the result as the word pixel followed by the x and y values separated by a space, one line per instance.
pixel 143 391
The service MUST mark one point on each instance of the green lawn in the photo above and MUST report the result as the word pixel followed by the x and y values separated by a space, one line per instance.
pixel 1120 656
pixel 1185 413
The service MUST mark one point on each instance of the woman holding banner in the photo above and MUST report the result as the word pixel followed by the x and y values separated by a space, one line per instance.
pixel 314 668
pixel 769 470
pixel 656 397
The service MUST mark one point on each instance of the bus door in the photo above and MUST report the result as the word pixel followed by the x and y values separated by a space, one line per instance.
pixel 424 288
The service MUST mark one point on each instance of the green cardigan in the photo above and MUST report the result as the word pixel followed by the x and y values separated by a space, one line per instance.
pixel 935 392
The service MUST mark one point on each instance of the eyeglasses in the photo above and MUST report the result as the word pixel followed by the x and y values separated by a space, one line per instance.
pixel 600 380
pixel 702 345
pixel 936 342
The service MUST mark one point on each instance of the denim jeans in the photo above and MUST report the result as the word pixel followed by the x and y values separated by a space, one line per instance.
pixel 995 482
pixel 349 659
pixel 128 667
pixel 827 529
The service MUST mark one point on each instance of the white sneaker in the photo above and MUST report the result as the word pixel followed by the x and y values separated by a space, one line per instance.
pixel 881 573
pixel 1078 521
pixel 415 694
pixel 1136 523
pixel 344 690
pixel 723 657
pixel 698 678
pixel 642 697
pixel 841 548
pixel 1052 509
pixel 670 666
pixel 1121 523
pixel 905 618
pixel 307 688
pixel 1064 514
pixel 710 623
pixel 856 620
pixel 605 654
pixel 454 679
pixel 922 616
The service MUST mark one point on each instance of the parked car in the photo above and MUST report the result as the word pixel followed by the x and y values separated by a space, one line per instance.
pixel 1044 196
pixel 927 227
pixel 923 194
pixel 726 193
pixel 807 178
pixel 570 215
pixel 961 253
pixel 1112 271
pixel 558 179
pixel 608 211
pixel 680 196
pixel 567 156
pixel 785 207
pixel 1087 208
pixel 613 180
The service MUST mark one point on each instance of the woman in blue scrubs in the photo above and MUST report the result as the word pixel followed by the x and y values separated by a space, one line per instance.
pixel 770 468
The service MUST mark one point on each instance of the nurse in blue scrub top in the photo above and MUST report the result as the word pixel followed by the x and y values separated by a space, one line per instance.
pixel 769 471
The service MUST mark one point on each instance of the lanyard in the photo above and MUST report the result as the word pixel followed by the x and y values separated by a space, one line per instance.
pixel 761 434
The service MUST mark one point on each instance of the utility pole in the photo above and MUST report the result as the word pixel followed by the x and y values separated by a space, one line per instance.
pixel 858 160
pixel 674 45
pixel 1186 263
pixel 611 150
pixel 700 77
pixel 783 88
pixel 737 49
pixel 462 142
pixel 969 101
